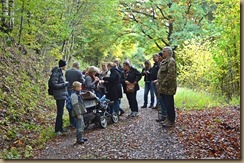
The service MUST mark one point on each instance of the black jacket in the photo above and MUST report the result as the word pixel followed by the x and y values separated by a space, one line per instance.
pixel 57 80
pixel 113 85
pixel 154 71
pixel 147 75
pixel 131 76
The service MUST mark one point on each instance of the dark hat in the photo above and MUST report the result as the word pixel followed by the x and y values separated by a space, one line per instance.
pixel 62 63
pixel 160 54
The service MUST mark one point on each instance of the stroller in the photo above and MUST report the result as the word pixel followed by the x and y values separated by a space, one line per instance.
pixel 98 110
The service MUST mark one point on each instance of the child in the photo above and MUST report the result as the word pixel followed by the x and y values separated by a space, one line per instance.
pixel 78 109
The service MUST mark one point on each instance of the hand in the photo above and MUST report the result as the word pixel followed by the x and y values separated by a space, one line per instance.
pixel 96 79
pixel 79 116
pixel 155 81
pixel 66 84
pixel 127 82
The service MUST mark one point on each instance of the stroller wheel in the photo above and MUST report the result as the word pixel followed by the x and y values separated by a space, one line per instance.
pixel 115 117
pixel 103 122
pixel 86 124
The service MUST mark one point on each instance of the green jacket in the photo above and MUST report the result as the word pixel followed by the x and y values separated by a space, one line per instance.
pixel 167 77
pixel 78 107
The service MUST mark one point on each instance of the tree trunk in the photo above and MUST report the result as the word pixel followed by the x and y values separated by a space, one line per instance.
pixel 11 14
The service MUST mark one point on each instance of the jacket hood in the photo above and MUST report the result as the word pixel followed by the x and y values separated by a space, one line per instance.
pixel 55 69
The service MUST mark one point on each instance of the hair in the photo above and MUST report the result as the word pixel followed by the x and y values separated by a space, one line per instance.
pixel 76 84
pixel 92 69
pixel 76 65
pixel 169 49
pixel 127 63
pixel 147 62
pixel 155 55
pixel 111 64
pixel 116 59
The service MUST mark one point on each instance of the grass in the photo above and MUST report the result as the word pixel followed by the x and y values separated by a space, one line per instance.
pixel 190 99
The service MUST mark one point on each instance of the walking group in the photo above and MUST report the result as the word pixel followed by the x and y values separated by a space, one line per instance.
pixel 110 81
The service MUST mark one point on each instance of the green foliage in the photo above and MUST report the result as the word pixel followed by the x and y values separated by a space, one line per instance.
pixel 197 100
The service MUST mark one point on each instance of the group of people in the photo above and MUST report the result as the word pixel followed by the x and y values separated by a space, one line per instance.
pixel 110 80
pixel 160 80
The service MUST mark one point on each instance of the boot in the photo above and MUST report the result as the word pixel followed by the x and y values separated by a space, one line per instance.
pixel 79 138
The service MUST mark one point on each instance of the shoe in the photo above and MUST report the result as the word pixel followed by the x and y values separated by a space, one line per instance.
pixel 161 119
pixel 80 141
pixel 168 123
pixel 85 139
pixel 151 106
pixel 144 106
pixel 155 107
pixel 65 130
pixel 59 133
pixel 121 113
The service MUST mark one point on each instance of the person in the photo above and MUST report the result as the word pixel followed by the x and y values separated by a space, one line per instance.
pixel 91 80
pixel 60 94
pixel 148 84
pixel 78 111
pixel 72 75
pixel 120 69
pixel 113 87
pixel 100 91
pixel 154 73
pixel 161 105
pixel 167 85
pixel 131 76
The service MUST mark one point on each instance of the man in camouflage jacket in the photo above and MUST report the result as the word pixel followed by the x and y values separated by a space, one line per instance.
pixel 167 85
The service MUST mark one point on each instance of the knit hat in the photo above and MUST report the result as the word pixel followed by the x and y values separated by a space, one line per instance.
pixel 160 54
pixel 62 63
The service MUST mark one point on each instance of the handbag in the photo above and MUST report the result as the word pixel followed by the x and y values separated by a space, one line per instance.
pixel 130 88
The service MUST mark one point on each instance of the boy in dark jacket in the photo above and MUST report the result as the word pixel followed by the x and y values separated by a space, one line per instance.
pixel 78 109
pixel 60 93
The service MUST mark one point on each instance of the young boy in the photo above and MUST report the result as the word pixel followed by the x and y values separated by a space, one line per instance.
pixel 78 111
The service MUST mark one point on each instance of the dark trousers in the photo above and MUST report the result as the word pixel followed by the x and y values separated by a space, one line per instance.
pixel 168 101
pixel 132 101
pixel 59 118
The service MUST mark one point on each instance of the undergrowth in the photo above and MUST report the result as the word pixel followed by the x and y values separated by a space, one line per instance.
pixel 27 113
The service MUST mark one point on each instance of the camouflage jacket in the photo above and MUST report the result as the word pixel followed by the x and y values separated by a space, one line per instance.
pixel 167 77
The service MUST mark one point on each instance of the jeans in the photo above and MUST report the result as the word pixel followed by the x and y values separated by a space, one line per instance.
pixel 59 117
pixel 148 87
pixel 132 101
pixel 79 127
pixel 168 101
pixel 72 120
pixel 115 107
pixel 154 91
pixel 163 106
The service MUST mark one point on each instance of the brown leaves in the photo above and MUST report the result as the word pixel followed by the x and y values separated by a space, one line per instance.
pixel 211 133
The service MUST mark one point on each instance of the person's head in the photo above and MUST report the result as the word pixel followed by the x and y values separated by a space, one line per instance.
pixel 167 52
pixel 92 70
pixel 76 86
pixel 76 65
pixel 116 61
pixel 126 65
pixel 155 57
pixel 111 64
pixel 62 64
pixel 160 56
pixel 104 66
pixel 147 64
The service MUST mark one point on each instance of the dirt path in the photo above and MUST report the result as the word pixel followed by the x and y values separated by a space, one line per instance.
pixel 140 137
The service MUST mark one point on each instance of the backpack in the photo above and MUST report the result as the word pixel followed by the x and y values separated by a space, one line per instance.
pixel 50 87
pixel 68 103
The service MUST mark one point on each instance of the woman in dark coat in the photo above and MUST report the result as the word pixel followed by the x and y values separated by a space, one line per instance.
pixel 131 76
pixel 113 87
